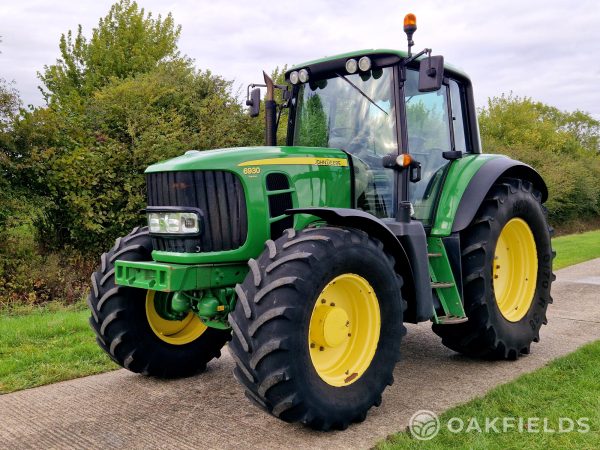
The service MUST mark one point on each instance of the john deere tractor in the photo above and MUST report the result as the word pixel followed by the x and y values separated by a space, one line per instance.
pixel 309 257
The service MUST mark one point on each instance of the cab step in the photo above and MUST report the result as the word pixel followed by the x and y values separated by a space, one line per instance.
pixel 450 309
pixel 451 320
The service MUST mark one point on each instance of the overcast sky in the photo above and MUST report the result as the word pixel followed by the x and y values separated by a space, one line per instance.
pixel 548 50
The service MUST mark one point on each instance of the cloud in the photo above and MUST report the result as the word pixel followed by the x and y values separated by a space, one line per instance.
pixel 544 49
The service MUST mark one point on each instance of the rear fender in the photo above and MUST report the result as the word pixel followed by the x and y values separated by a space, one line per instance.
pixel 484 179
pixel 467 182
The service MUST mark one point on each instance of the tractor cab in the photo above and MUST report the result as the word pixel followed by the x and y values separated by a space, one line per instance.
pixel 369 104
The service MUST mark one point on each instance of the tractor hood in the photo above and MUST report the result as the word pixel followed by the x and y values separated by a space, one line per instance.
pixel 273 179
pixel 236 159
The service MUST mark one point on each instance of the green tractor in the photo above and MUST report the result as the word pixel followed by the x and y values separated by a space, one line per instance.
pixel 380 209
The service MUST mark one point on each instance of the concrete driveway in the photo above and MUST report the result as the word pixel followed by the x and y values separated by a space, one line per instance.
pixel 124 410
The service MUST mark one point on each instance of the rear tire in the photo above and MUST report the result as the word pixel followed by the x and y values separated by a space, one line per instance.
pixel 293 355
pixel 121 318
pixel 505 314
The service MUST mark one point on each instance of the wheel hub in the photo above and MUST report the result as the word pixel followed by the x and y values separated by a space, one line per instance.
pixel 175 332
pixel 331 326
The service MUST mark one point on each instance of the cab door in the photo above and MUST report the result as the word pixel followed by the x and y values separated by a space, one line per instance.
pixel 435 124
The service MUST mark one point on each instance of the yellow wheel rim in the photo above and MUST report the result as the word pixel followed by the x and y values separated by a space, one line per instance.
pixel 344 330
pixel 515 269
pixel 175 332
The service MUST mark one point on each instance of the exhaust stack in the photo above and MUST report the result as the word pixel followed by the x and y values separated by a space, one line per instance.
pixel 270 112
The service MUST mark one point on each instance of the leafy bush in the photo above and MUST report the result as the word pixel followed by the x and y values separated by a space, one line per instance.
pixel 29 275
pixel 563 147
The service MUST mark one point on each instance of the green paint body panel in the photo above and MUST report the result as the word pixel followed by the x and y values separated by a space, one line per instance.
pixel 441 272
pixel 317 184
pixel 459 175
pixel 177 277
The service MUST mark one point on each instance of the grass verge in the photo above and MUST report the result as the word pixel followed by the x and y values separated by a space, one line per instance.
pixel 44 347
pixel 565 388
pixel 576 248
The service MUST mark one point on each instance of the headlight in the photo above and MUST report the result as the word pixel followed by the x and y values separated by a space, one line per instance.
pixel 173 222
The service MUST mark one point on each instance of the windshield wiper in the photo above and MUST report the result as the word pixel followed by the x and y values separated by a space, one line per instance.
pixel 362 93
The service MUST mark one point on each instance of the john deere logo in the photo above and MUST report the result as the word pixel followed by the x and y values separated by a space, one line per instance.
pixel 424 425
pixel 329 162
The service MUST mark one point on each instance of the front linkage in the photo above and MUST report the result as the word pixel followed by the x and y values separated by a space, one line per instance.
pixel 206 290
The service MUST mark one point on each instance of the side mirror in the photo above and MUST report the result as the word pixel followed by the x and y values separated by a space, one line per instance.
pixel 254 102
pixel 431 73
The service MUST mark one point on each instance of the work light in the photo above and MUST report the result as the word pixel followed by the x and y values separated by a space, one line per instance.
pixel 303 75
pixel 294 77
pixel 351 66
pixel 364 63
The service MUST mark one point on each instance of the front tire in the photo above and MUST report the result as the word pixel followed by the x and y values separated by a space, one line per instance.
pixel 129 329
pixel 317 327
pixel 507 275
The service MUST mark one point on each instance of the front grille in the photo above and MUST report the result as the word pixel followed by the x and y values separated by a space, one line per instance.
pixel 220 196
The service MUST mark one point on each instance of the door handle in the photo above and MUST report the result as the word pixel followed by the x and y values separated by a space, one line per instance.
pixel 414 174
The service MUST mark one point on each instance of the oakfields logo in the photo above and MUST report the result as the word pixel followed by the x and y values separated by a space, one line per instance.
pixel 425 425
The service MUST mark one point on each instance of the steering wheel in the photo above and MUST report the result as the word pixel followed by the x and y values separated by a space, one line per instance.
pixel 359 146
pixel 339 131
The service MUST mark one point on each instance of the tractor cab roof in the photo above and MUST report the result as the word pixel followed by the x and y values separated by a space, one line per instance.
pixel 380 57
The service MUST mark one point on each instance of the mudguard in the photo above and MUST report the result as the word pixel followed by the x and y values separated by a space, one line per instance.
pixel 482 181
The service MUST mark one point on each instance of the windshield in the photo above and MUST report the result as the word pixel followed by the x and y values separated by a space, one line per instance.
pixel 354 113
pixel 351 112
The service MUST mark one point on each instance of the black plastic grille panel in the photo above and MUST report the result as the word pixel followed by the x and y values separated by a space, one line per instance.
pixel 220 196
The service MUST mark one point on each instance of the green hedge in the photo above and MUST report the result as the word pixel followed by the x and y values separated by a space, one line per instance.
pixel 563 147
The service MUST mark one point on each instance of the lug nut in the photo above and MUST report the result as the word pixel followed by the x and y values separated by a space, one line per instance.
pixel 332 304
pixel 321 349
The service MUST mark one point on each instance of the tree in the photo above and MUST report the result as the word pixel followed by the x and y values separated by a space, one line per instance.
pixel 9 108
pixel 126 42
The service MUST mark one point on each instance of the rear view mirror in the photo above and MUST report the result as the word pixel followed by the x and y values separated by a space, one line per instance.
pixel 254 102
pixel 431 73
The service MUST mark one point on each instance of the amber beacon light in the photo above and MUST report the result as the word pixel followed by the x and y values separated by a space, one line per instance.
pixel 410 23
pixel 410 26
